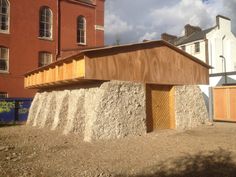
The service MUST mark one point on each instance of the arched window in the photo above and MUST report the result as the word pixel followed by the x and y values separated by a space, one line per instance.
pixel 81 30
pixel 4 59
pixel 45 58
pixel 4 15
pixel 45 22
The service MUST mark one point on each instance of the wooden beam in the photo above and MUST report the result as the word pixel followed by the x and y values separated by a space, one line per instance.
pixel 62 73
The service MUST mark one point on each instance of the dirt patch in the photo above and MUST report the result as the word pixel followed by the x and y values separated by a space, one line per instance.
pixel 205 151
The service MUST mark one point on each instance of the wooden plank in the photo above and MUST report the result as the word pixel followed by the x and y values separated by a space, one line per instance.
pixel 172 108
pixel 158 65
pixel 220 104
pixel 232 103
pixel 80 66
pixel 64 72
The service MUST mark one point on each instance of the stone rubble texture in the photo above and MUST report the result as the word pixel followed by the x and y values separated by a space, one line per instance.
pixel 114 109
pixel 190 108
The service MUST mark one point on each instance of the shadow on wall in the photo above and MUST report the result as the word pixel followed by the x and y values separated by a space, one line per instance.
pixel 10 124
pixel 217 163
pixel 206 100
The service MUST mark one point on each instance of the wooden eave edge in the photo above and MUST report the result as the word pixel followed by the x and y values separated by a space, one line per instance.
pixel 86 51
pixel 83 53
pixel 53 64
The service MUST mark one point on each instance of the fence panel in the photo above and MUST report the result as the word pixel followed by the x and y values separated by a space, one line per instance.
pixel 224 103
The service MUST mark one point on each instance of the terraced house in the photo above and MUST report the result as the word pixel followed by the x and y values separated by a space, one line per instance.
pixel 34 33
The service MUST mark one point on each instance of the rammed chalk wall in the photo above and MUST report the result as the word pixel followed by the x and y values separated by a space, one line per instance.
pixel 110 110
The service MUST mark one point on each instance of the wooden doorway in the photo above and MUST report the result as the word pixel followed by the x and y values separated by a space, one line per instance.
pixel 160 107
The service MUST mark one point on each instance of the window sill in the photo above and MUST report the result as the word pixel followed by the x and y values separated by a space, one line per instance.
pixel 82 44
pixel 45 38
pixel 4 72
pixel 4 32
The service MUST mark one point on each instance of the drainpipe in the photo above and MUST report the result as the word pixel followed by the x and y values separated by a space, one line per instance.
pixel 225 73
pixel 223 50
pixel 95 14
pixel 58 29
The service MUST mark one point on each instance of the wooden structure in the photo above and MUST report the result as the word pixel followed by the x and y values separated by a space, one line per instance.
pixel 224 103
pixel 155 62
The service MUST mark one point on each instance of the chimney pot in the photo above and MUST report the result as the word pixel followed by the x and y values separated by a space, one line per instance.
pixel 191 29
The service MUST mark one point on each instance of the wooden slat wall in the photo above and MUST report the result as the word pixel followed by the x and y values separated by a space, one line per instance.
pixel 150 63
pixel 160 65
pixel 57 74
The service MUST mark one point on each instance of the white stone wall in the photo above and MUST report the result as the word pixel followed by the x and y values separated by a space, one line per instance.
pixel 190 108
pixel 190 48
pixel 111 110
pixel 221 41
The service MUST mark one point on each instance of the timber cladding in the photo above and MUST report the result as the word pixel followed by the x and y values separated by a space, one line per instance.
pixel 153 64
pixel 224 102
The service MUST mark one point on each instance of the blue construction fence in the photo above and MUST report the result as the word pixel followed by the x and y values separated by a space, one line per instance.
pixel 14 109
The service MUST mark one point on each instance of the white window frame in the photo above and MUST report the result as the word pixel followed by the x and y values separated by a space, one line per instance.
pixel 7 31
pixel 7 60
pixel 78 30
pixel 44 36
pixel 195 47
pixel 183 47
pixel 41 53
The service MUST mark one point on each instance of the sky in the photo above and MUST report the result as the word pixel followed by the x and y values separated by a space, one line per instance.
pixel 132 21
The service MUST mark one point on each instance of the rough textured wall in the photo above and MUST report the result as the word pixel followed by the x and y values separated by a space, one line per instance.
pixel 190 108
pixel 113 110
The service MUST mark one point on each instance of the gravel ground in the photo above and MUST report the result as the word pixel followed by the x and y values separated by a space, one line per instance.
pixel 208 151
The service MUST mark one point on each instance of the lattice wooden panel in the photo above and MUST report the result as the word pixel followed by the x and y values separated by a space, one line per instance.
pixel 160 105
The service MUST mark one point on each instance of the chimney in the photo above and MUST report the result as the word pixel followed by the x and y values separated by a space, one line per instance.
pixel 191 29
pixel 223 23
pixel 168 37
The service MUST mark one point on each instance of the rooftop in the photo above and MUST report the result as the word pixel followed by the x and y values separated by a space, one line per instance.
pixel 193 37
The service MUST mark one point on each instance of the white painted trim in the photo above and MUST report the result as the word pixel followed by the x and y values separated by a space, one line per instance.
pixel 9 18
pixel 8 61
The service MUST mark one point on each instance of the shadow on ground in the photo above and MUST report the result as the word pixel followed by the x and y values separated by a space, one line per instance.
pixel 212 164
pixel 10 124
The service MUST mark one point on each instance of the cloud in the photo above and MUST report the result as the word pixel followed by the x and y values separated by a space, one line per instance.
pixel 148 36
pixel 135 21
pixel 116 25
pixel 172 19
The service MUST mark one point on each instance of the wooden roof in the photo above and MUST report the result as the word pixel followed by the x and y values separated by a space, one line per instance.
pixel 156 62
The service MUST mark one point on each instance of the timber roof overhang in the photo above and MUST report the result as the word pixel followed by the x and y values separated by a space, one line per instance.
pixel 124 48
pixel 96 64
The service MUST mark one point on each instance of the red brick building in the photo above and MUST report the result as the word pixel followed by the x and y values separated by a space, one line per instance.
pixel 34 33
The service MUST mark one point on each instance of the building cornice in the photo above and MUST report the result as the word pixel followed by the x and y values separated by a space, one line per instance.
pixel 81 2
